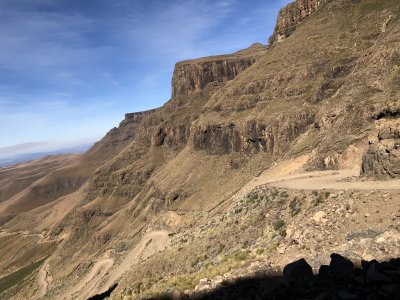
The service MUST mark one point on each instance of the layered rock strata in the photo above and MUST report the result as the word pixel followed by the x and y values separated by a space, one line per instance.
pixel 291 15
pixel 140 114
pixel 191 76
pixel 382 160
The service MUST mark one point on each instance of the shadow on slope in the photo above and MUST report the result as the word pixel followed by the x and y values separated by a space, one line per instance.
pixel 340 280
pixel 104 295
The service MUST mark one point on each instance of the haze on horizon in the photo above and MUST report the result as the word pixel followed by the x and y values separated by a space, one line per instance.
pixel 70 69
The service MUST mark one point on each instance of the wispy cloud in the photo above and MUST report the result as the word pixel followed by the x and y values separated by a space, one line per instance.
pixel 70 69
pixel 15 149
pixel 178 29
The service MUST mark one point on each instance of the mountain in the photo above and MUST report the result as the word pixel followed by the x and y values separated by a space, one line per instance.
pixel 259 158
pixel 20 158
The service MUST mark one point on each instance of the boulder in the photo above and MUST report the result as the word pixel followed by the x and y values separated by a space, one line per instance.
pixel 296 272
pixel 340 266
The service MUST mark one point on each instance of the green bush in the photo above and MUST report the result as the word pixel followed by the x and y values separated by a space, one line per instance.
pixel 294 206
pixel 241 255
pixel 278 224
pixel 318 200
pixel 252 196
pixel 260 251
pixel 284 194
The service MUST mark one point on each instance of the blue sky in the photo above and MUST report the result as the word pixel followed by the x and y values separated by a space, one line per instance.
pixel 70 69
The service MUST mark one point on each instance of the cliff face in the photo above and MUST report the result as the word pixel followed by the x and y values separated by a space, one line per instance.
pixel 308 102
pixel 140 114
pixel 192 76
pixel 291 15
pixel 254 136
pixel 118 137
pixel 382 160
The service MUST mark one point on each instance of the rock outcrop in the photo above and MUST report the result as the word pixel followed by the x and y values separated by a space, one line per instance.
pixel 272 138
pixel 191 76
pixel 382 160
pixel 291 15
pixel 140 114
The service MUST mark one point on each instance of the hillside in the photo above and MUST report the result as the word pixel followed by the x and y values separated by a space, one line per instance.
pixel 259 158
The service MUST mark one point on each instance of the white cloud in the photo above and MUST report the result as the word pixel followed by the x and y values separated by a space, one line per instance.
pixel 177 29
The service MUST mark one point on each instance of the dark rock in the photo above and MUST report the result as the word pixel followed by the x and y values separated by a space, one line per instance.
pixel 324 273
pixel 345 295
pixel 366 264
pixel 297 271
pixel 392 290
pixel 374 274
pixel 340 266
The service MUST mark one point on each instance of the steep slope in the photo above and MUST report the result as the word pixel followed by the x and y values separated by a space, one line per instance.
pixel 310 102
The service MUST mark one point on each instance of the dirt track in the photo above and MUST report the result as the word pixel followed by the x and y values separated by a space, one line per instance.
pixel 105 272
pixel 319 180
pixel 42 281
pixel 83 288
pixel 101 276
pixel 332 180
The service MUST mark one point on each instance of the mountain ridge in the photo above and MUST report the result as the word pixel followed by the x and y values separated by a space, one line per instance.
pixel 219 177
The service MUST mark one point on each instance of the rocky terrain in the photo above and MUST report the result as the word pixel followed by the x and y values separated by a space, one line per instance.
pixel 260 158
pixel 290 17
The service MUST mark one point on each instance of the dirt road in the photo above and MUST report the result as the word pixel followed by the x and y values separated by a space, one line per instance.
pixel 103 274
pixel 96 273
pixel 280 177
pixel 150 244
pixel 331 180
pixel 42 281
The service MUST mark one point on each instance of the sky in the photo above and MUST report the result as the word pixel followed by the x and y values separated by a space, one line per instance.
pixel 71 69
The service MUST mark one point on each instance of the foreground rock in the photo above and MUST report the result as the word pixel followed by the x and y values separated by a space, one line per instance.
pixel 382 160
pixel 340 280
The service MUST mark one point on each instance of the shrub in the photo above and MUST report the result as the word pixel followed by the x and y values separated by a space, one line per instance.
pixel 252 196
pixel 318 200
pixel 241 255
pixel 260 251
pixel 238 210
pixel 294 206
pixel 284 194
pixel 278 224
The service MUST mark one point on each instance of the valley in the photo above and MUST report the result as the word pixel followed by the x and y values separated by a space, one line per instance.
pixel 260 158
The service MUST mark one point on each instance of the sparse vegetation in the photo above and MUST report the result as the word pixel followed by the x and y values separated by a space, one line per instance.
pixel 19 275
pixel 318 200
pixel 294 206
pixel 260 251
pixel 278 224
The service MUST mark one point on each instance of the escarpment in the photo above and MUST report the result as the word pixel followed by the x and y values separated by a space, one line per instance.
pixel 193 75
pixel 118 137
pixel 273 137
pixel 307 103
pixel 291 15
pixel 138 115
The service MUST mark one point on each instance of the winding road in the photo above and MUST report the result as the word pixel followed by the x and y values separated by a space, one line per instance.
pixel 104 272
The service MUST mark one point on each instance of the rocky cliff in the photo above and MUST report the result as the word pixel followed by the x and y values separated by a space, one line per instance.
pixel 308 103
pixel 140 114
pixel 291 15
pixel 192 76
pixel 382 160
